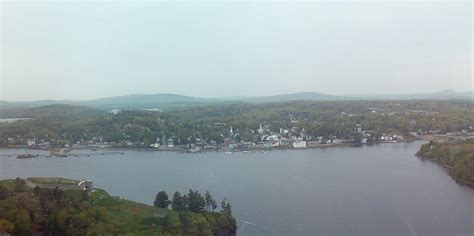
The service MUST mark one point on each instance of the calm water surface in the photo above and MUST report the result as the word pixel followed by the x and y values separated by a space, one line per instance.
pixel 370 190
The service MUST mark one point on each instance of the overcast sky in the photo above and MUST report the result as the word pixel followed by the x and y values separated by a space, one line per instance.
pixel 93 50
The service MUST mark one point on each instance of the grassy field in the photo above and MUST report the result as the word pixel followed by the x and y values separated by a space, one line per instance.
pixel 76 195
pixel 53 180
pixel 134 217
pixel 7 183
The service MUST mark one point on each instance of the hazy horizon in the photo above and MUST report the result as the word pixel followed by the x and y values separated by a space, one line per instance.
pixel 245 96
pixel 84 51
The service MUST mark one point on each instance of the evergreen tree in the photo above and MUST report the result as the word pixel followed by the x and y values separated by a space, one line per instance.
pixel 226 207
pixel 161 200
pixel 178 202
pixel 196 202
pixel 210 202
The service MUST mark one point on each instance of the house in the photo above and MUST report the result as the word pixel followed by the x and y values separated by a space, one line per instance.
pixel 336 141
pixel 299 144
pixel 227 141
pixel 170 142
pixel 284 131
pixel 286 142
pixel 31 142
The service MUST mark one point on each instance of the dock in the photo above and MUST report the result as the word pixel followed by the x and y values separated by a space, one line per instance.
pixel 95 154
pixel 66 155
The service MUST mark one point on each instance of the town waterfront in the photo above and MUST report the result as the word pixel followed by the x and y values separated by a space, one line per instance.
pixel 379 189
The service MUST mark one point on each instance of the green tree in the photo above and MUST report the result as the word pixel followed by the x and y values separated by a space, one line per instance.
pixel 19 184
pixel 226 207
pixel 196 202
pixel 178 202
pixel 6 227
pixel 210 202
pixel 161 200
pixel 172 223
pixel 3 193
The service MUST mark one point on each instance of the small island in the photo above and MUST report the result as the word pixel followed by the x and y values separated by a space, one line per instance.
pixel 59 206
pixel 456 155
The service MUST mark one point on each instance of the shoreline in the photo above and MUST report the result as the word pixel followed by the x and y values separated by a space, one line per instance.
pixel 178 150
pixel 447 169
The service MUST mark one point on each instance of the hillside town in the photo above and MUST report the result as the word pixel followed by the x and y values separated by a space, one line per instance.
pixel 266 139
pixel 238 127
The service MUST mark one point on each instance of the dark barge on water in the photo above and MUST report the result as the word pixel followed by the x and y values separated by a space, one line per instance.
pixel 26 156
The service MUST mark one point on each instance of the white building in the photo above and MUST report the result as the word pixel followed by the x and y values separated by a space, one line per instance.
pixel 170 143
pixel 299 144
pixel 114 111
pixel 31 142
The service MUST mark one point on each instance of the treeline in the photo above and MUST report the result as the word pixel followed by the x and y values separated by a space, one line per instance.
pixel 457 156
pixel 45 211
pixel 222 223
pixel 62 124
pixel 192 201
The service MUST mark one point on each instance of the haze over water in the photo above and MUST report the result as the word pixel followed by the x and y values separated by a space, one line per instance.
pixel 379 190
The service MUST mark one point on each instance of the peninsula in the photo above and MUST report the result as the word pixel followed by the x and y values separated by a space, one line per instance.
pixel 58 206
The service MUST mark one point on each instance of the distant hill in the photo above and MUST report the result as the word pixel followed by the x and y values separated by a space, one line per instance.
pixel 134 101
pixel 297 96
pixel 175 101
pixel 146 101
pixel 53 111
pixel 442 95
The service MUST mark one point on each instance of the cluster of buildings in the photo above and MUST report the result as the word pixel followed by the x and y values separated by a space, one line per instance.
pixel 30 143
pixel 262 137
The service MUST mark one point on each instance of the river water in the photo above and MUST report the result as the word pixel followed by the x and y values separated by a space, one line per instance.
pixel 370 190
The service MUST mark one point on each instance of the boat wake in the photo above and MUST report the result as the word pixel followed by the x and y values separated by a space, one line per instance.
pixel 244 223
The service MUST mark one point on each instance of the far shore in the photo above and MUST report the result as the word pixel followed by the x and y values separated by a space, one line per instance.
pixel 182 150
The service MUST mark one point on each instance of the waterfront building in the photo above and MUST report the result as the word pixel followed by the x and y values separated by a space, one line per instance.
pixel 299 144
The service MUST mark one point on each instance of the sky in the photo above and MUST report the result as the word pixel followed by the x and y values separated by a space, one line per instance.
pixel 86 50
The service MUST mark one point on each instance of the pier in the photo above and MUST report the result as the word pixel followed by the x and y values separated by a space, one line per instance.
pixel 65 155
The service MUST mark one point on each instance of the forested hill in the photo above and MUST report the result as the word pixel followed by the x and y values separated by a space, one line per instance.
pixel 347 120
pixel 457 156
pixel 176 101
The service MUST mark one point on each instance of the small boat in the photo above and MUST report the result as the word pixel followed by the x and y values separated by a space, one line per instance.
pixel 228 153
